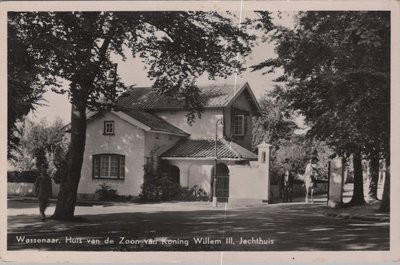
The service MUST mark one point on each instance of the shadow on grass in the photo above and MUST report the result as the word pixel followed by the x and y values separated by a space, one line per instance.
pixel 283 228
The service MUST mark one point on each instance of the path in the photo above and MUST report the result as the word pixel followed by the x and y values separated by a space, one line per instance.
pixel 280 227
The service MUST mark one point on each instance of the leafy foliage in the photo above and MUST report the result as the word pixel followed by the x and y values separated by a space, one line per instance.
pixel 42 147
pixel 157 186
pixel 299 150
pixel 22 176
pixel 337 74
pixel 25 83
pixel 336 71
pixel 106 193
pixel 195 193
pixel 274 124
pixel 177 46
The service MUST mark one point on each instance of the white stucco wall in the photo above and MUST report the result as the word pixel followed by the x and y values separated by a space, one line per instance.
pixel 194 172
pixel 246 182
pixel 128 140
pixel 201 128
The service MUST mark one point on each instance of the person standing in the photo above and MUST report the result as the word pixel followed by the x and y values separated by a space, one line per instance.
pixel 43 192
pixel 287 181
pixel 311 170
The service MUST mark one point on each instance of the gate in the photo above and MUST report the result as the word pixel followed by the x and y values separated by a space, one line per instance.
pixel 222 185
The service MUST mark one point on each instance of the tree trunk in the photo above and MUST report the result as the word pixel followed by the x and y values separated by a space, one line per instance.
pixel 374 175
pixel 358 190
pixel 66 201
pixel 385 204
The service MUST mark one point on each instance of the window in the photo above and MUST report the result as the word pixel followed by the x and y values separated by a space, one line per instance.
pixel 238 125
pixel 109 128
pixel 263 157
pixel 108 166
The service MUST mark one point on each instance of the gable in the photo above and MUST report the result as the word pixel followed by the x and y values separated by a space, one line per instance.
pixel 142 120
pixel 123 129
pixel 246 101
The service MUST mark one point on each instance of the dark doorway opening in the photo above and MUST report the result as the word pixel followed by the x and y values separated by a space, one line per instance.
pixel 222 182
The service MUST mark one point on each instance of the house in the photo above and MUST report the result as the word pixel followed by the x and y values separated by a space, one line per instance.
pixel 119 143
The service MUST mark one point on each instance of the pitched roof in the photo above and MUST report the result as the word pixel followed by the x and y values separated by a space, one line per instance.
pixel 212 96
pixel 155 123
pixel 205 148
pixel 147 121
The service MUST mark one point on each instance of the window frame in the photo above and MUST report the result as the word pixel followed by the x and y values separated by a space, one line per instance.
pixel 242 125
pixel 105 132
pixel 96 167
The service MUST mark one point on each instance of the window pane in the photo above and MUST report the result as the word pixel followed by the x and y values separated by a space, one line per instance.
pixel 96 166
pixel 122 167
pixel 113 167
pixel 109 127
pixel 104 166
pixel 237 127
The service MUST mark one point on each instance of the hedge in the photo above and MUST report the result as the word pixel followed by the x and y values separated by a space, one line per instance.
pixel 22 176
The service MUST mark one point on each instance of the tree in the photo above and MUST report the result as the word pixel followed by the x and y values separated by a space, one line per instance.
pixel 178 47
pixel 337 74
pixel 374 174
pixel 25 87
pixel 274 124
pixel 42 147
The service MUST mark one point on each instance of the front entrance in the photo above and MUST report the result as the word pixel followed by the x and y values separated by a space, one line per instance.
pixel 222 182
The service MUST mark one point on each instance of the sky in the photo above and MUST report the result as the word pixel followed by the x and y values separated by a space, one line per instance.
pixel 133 72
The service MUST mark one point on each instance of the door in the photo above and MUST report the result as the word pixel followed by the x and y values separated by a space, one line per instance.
pixel 222 188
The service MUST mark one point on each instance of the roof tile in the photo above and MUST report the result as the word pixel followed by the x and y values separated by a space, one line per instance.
pixel 147 97
pixel 154 122
pixel 205 148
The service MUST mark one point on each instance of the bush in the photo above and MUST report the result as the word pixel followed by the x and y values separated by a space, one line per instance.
pixel 159 186
pixel 160 189
pixel 200 193
pixel 22 176
pixel 195 193
pixel 106 193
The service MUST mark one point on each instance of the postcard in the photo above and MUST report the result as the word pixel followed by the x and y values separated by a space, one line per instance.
pixel 200 131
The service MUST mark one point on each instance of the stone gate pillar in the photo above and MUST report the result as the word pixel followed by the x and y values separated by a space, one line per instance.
pixel 264 164
pixel 336 181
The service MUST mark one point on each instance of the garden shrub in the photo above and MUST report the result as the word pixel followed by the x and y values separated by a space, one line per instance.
pixel 106 193
pixel 158 186
pixel 199 193
pixel 195 193
pixel 159 189
pixel 22 176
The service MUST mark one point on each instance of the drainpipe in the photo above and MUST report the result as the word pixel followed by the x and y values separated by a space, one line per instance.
pixel 214 199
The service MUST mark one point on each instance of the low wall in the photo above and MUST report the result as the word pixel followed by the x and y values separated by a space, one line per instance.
pixel 248 182
pixel 20 189
pixel 26 189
